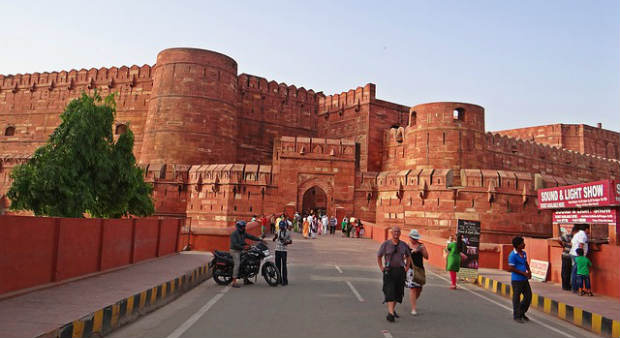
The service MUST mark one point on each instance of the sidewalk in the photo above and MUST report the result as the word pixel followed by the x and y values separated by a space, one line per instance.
pixel 599 314
pixel 103 302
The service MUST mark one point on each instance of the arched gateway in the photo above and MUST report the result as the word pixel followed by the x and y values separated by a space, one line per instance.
pixel 315 199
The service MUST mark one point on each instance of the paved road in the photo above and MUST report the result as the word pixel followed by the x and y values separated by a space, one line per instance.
pixel 335 291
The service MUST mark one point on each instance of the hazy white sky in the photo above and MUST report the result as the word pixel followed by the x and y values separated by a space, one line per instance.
pixel 527 62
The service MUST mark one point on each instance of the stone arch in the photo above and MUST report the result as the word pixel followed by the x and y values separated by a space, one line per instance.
pixel 316 183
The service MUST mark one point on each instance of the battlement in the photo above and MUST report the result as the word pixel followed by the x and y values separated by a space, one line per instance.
pixel 248 82
pixel 232 173
pixel 91 78
pixel 351 98
pixel 578 137
pixel 324 148
pixel 528 148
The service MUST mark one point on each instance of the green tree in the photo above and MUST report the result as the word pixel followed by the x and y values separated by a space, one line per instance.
pixel 81 169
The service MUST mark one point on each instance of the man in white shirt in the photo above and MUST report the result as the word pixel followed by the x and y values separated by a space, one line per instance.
pixel 324 222
pixel 579 240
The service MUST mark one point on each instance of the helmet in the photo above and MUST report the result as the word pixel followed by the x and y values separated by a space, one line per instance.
pixel 240 225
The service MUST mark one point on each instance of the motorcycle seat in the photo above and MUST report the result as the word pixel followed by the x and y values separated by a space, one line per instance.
pixel 223 254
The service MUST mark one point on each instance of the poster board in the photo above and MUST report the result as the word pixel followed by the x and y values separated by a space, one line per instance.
pixel 539 270
pixel 470 233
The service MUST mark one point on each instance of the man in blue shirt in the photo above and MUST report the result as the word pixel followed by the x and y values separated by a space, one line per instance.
pixel 517 264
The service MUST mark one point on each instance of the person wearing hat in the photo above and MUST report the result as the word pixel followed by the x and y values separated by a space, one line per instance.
pixel 416 276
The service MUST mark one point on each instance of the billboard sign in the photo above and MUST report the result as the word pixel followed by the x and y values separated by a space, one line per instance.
pixel 593 194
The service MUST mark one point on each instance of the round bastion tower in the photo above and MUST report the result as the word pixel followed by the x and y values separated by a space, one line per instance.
pixel 192 114
pixel 446 135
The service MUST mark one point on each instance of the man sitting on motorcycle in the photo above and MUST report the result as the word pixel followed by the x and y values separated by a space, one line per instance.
pixel 238 244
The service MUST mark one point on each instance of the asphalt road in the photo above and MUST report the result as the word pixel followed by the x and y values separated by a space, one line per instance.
pixel 335 291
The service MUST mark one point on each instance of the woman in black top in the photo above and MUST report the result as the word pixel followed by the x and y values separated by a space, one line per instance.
pixel 418 254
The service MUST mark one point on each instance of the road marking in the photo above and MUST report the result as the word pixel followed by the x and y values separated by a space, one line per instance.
pixel 338 268
pixel 386 334
pixel 508 308
pixel 196 316
pixel 357 294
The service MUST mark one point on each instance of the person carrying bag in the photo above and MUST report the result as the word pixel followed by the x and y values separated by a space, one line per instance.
pixel 416 276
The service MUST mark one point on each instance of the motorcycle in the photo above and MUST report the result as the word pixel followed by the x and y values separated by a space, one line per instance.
pixel 252 261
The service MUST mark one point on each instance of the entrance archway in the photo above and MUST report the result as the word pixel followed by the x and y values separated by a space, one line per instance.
pixel 315 199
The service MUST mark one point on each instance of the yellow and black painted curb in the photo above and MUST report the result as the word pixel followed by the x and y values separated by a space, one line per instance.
pixel 128 309
pixel 580 317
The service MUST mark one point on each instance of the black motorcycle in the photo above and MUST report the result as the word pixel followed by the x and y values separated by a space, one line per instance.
pixel 251 261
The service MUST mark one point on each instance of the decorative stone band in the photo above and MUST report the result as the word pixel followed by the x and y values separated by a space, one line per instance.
pixel 586 320
pixel 111 317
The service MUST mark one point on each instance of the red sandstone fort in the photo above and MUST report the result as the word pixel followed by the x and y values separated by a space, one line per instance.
pixel 219 146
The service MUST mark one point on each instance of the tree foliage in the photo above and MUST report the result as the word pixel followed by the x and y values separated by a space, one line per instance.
pixel 81 169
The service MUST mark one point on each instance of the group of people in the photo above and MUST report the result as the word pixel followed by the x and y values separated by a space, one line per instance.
pixel 575 263
pixel 282 239
pixel 402 266
pixel 312 224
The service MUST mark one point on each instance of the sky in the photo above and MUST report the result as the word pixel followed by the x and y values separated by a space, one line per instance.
pixel 526 62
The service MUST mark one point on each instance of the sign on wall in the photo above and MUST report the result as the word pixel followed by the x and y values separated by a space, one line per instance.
pixel 539 270
pixel 470 235
pixel 607 216
pixel 592 194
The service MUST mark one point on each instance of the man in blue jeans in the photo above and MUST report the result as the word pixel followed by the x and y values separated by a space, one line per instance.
pixel 521 273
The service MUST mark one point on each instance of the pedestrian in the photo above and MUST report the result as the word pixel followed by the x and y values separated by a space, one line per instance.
pixel 416 277
pixel 350 226
pixel 314 227
pixel 263 224
pixel 344 225
pixel 306 227
pixel 361 226
pixel 396 255
pixel 453 252
pixel 297 222
pixel 583 273
pixel 358 228
pixel 325 222
pixel 272 224
pixel 283 240
pixel 332 225
pixel 579 240
pixel 567 263
pixel 520 275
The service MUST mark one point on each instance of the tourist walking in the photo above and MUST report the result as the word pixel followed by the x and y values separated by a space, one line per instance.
pixel 567 263
pixel 393 259
pixel 344 225
pixel 453 252
pixel 520 275
pixel 314 227
pixel 332 225
pixel 283 240
pixel 579 240
pixel 583 273
pixel 272 223
pixel 416 277
pixel 324 223
pixel 263 224
pixel 306 228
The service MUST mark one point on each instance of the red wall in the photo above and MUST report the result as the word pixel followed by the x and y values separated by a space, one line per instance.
pixel 214 238
pixel 40 250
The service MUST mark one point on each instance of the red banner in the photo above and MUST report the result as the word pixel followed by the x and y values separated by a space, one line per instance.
pixel 592 194
pixel 590 216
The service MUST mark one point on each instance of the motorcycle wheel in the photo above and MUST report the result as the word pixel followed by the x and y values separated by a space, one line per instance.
pixel 271 274
pixel 220 278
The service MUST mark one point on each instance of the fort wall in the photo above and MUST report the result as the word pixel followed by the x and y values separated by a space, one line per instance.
pixel 269 110
pixel 577 137
pixel 31 104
